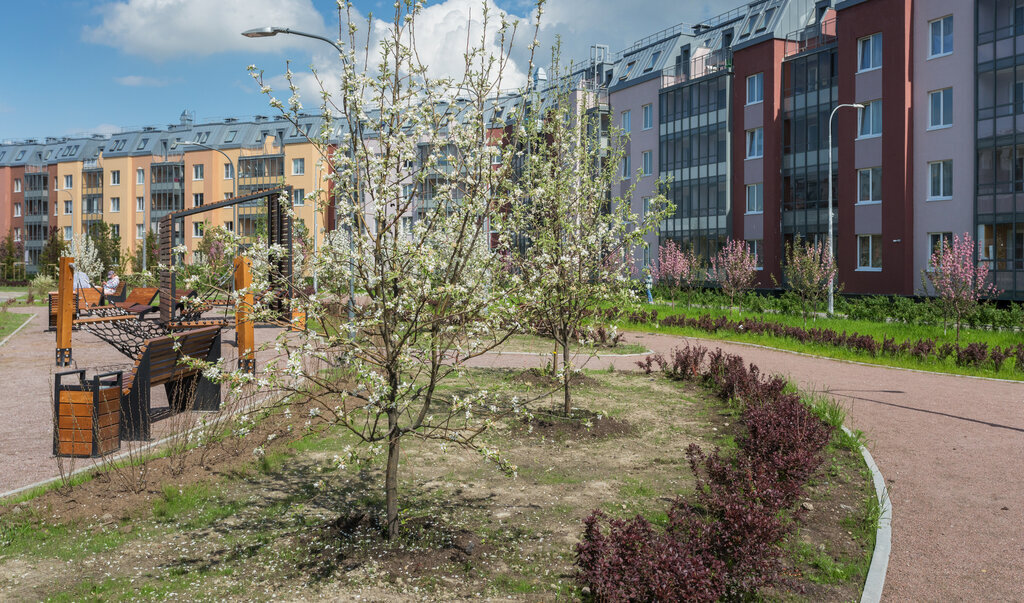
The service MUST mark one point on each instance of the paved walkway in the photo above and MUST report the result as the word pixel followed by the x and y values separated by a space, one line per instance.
pixel 950 449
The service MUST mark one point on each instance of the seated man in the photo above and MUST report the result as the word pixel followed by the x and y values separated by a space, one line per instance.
pixel 110 287
pixel 82 280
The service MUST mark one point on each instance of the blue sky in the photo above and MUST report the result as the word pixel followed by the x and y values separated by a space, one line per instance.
pixel 78 66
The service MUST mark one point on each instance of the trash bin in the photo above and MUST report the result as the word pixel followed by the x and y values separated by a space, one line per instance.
pixel 87 414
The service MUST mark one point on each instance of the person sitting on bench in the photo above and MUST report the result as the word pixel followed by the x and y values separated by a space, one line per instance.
pixel 82 280
pixel 110 287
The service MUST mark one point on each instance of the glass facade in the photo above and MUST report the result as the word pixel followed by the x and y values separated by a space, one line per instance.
pixel 694 160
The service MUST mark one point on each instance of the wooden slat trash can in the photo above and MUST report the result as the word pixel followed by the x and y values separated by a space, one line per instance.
pixel 87 414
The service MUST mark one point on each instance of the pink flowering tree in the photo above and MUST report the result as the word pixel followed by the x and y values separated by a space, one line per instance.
pixel 734 268
pixel 809 269
pixel 678 268
pixel 959 279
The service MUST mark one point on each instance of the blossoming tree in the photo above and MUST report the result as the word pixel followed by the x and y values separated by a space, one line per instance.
pixel 809 269
pixel 679 268
pixel 959 279
pixel 734 268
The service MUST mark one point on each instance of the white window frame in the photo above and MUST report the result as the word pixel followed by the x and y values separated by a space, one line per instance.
pixel 755 143
pixel 69 181
pixel 140 231
pixel 626 168
pixel 873 44
pixel 870 173
pixel 198 171
pixel 300 164
pixel 756 247
pixel 115 204
pixel 115 177
pixel 229 171
pixel 647 163
pixel 298 197
pixel 140 204
pixel 872 110
pixel 870 239
pixel 755 95
pixel 942 166
pixel 140 176
pixel 17 185
pixel 943 51
pixel 627 121
pixel 67 233
pixel 17 210
pixel 757 207
pixel 934 238
pixel 646 208
pixel 69 207
pixel 944 120
pixel 648 116
pixel 115 230
pixel 17 235
pixel 198 199
pixel 229 226
pixel 197 229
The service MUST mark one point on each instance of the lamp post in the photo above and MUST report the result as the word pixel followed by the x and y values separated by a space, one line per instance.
pixel 270 31
pixel 234 178
pixel 831 255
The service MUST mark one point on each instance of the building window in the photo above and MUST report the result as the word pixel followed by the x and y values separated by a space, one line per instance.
pixel 626 119
pixel 940 108
pixel 229 226
pixel 646 207
pixel 17 185
pixel 869 252
pixel 140 231
pixel 648 162
pixel 941 31
pixel 140 204
pixel 197 199
pixel 940 180
pixel 115 177
pixel 197 229
pixel 17 235
pixel 197 171
pixel 755 143
pixel 935 245
pixel 626 170
pixel 298 167
pixel 755 88
pixel 407 224
pixel 69 181
pixel 115 204
pixel 229 171
pixel 299 196
pixel 869 50
pixel 755 198
pixel 227 196
pixel 140 176
pixel 870 120
pixel 67 233
pixel 869 185
pixel 17 210
pixel 68 208
pixel 115 230
pixel 648 116
pixel 755 247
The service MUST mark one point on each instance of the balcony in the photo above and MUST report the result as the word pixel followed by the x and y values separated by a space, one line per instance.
pixel 812 37
pixel 707 63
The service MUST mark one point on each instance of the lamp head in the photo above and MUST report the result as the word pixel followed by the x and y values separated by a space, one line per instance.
pixel 262 32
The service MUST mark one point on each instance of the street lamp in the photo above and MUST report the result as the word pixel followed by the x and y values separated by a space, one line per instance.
pixel 267 32
pixel 831 255
pixel 234 178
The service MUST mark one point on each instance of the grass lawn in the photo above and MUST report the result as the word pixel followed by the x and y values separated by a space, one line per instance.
pixel 898 331
pixel 292 525
pixel 9 321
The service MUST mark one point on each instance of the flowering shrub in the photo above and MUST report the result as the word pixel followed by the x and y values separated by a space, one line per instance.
pixel 724 542
pixel 677 268
pixel 733 268
pixel 959 279
pixel 808 271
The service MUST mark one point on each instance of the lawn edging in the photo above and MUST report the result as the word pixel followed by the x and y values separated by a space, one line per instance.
pixel 15 332
pixel 875 580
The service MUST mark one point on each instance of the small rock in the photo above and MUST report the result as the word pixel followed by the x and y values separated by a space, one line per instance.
pixel 1005 509
pixel 585 590
pixel 125 529
pixel 107 518
pixel 807 506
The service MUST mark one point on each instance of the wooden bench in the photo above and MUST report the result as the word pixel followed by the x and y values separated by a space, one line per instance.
pixel 160 364
pixel 52 299
pixel 89 298
pixel 139 301
pixel 117 295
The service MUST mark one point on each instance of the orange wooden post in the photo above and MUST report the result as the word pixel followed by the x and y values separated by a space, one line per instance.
pixel 298 322
pixel 244 335
pixel 65 310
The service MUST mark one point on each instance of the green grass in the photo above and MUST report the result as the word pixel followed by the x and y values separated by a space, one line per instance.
pixel 31 538
pixel 898 331
pixel 192 507
pixel 824 568
pixel 9 321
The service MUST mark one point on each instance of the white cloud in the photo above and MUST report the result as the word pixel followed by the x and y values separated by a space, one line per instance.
pixel 142 81
pixel 164 29
pixel 104 129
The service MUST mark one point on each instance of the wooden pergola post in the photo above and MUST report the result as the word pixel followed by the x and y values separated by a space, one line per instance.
pixel 65 310
pixel 244 335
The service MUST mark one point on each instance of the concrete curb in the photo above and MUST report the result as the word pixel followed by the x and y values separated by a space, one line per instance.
pixel 23 325
pixel 875 580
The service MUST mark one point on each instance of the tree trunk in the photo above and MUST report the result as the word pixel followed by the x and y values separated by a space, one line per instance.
pixel 391 476
pixel 566 376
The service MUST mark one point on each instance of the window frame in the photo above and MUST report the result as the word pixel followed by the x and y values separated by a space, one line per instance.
pixel 115 177
pixel 871 253
pixel 140 176
pixel 869 105
pixel 115 205
pixel 870 171
pixel 758 79
pixel 197 229
pixel 626 119
pixel 869 43
pixel 931 48
pixel 942 108
pixel 626 167
pixel 69 181
pixel 198 171
pixel 229 171
pixel 755 137
pixel 17 185
pixel 647 115
pixel 198 199
pixel 756 247
pixel 943 169
pixel 140 204
pixel 647 163
pixel 17 210
pixel 934 238
pixel 69 207
pixel 68 234
pixel 758 188
pixel 301 163
pixel 298 197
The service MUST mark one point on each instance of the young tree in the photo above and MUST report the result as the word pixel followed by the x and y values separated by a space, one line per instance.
pixel 959 279
pixel 427 299
pixel 49 258
pixel 808 270
pixel 571 240
pixel 147 246
pixel 679 268
pixel 10 253
pixel 108 246
pixel 734 268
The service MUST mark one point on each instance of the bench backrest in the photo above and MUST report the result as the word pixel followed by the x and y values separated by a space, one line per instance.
pixel 164 359
pixel 88 298
pixel 142 295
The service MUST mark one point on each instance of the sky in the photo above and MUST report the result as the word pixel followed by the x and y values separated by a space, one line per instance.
pixel 78 67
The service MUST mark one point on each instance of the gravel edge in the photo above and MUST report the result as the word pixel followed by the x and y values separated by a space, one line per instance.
pixel 875 580
pixel 15 332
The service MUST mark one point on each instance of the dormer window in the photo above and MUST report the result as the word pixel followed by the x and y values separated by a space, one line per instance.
pixel 749 27
pixel 20 155
pixel 230 137
pixel 629 67
pixel 654 60
pixel 142 144
pixel 766 19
